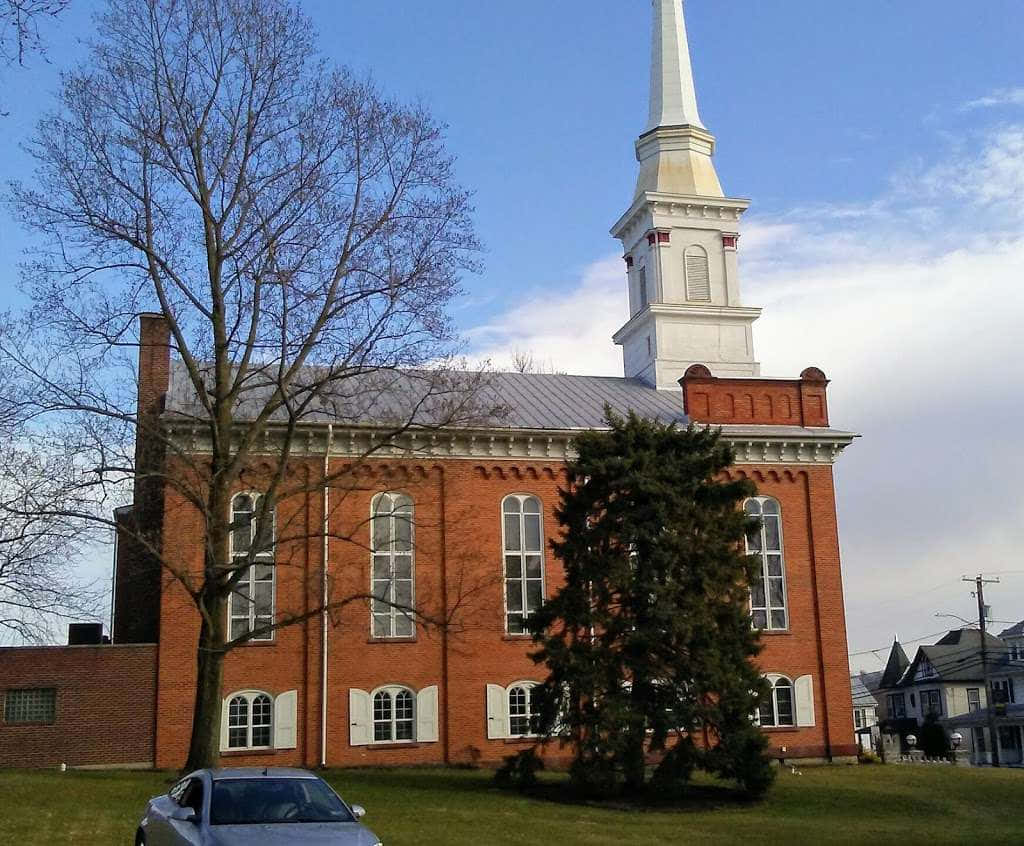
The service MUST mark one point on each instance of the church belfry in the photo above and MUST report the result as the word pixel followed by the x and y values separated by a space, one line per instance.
pixel 681 234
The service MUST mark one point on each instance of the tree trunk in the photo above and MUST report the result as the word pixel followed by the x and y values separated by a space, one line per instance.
pixel 204 746
pixel 635 763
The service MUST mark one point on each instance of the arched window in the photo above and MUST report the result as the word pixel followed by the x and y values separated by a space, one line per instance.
pixel 767 594
pixel 698 277
pixel 394 717
pixel 251 603
pixel 250 716
pixel 777 707
pixel 392 565
pixel 522 710
pixel 523 541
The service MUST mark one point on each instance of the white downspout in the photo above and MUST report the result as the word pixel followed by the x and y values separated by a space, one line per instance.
pixel 324 598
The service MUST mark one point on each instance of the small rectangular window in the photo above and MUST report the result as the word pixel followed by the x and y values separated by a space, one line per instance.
pixel 973 699
pixel 931 703
pixel 897 706
pixel 33 705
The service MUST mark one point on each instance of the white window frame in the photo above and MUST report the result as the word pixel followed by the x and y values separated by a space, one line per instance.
pixel 522 554
pixel 265 559
pixel 249 697
pixel 974 705
pixel 390 613
pixel 392 692
pixel 697 251
pixel 776 680
pixel 530 716
pixel 763 554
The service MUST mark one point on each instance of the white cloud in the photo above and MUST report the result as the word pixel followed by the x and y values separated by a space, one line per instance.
pixel 568 329
pixel 1002 97
pixel 912 304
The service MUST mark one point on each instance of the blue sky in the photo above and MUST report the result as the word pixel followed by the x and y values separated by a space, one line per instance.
pixel 882 143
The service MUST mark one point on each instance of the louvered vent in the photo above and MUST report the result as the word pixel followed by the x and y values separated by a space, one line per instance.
pixel 698 281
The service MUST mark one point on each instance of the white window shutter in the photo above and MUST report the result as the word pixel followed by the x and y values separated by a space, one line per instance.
pixel 285 720
pixel 497 712
pixel 224 725
pixel 426 715
pixel 803 692
pixel 360 717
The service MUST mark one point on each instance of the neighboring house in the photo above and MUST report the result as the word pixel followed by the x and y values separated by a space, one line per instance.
pixel 946 680
pixel 1007 708
pixel 366 686
pixel 865 710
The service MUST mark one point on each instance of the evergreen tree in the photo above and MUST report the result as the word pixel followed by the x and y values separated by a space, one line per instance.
pixel 649 643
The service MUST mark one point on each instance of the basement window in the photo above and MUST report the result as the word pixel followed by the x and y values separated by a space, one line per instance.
pixel 31 705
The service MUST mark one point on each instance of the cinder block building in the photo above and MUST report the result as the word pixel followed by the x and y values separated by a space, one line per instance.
pixel 458 522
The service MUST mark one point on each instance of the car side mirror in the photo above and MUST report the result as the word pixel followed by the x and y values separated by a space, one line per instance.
pixel 184 815
pixel 359 811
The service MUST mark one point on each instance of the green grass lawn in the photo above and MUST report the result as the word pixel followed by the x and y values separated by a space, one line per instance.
pixel 877 804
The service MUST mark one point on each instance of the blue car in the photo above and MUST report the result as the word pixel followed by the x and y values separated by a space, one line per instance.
pixel 261 807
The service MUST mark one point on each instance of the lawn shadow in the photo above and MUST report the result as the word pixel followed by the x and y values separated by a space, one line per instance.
pixel 552 787
pixel 697 797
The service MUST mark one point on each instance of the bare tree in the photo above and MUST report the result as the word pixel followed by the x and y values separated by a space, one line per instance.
pixel 19 27
pixel 302 237
pixel 39 555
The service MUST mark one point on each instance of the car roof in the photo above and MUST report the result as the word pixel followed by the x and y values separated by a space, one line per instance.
pixel 259 772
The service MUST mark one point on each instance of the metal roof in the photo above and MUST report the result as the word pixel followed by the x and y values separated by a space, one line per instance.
pixel 542 401
pixel 1016 630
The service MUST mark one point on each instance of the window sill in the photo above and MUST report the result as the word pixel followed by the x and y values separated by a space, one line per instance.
pixel 237 753
pixel 263 643
pixel 395 744
pixel 773 632
pixel 412 639
pixel 780 729
pixel 519 741
pixel 517 638
pixel 28 723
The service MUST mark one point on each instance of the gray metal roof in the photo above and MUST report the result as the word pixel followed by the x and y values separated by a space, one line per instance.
pixel 542 401
pixel 1016 630
pixel 956 657
pixel 862 696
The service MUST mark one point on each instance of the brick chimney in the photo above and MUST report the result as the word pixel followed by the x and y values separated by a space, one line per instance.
pixel 137 569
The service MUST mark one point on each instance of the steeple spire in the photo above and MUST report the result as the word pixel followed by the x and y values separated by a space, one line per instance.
pixel 675 148
pixel 680 234
pixel 673 94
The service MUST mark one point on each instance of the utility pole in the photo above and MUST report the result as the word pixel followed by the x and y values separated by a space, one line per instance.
pixel 979 591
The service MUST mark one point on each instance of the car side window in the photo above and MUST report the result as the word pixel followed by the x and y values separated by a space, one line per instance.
pixel 193 796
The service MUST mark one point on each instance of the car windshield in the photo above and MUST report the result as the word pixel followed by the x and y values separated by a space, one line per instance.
pixel 258 801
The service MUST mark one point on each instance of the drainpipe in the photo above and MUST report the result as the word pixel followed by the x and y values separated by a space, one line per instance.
pixel 444 615
pixel 324 598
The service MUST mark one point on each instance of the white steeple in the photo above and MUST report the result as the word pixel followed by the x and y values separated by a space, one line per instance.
pixel 681 233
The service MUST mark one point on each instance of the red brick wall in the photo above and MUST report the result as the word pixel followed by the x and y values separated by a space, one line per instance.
pixel 105 705
pixel 778 402
pixel 458 544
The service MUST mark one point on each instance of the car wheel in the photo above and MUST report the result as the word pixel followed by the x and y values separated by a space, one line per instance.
pixel 140 839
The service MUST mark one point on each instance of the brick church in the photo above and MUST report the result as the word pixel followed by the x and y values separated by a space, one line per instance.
pixel 458 522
